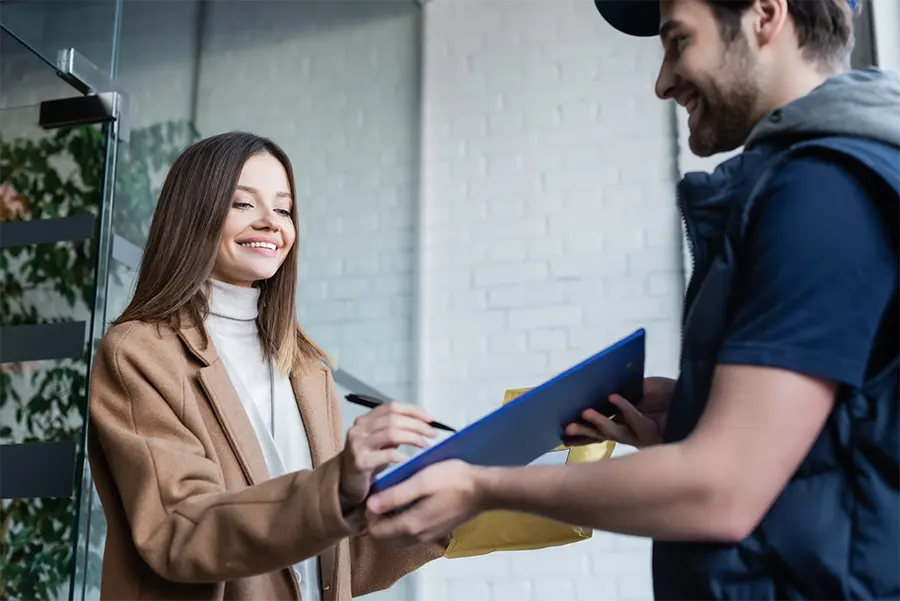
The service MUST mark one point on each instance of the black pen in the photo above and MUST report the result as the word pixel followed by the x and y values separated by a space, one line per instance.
pixel 372 402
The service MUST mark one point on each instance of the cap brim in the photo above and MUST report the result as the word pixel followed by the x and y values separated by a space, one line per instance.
pixel 639 18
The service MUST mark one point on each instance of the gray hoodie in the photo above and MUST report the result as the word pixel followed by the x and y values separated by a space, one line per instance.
pixel 863 103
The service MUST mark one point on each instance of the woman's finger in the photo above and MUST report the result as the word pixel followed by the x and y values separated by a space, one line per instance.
pixel 391 438
pixel 413 411
pixel 372 422
pixel 375 461
pixel 396 421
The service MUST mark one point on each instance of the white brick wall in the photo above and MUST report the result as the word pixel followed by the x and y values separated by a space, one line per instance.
pixel 548 231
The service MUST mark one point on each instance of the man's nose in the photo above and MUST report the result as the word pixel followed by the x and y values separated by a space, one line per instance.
pixel 665 81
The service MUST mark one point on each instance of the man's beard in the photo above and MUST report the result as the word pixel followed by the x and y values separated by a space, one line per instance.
pixel 727 105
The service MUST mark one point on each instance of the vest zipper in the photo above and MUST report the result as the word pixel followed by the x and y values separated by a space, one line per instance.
pixel 689 234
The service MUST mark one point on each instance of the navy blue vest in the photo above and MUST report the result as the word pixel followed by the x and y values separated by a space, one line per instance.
pixel 834 532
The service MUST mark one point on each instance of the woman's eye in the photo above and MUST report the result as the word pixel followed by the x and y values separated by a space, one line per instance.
pixel 238 204
pixel 284 212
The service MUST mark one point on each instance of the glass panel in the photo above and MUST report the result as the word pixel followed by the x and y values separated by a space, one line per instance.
pixel 48 26
pixel 51 184
pixel 27 80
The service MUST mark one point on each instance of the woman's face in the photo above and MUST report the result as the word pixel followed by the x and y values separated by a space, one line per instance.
pixel 259 230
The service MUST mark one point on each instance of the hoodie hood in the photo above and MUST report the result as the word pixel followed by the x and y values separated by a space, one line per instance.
pixel 863 103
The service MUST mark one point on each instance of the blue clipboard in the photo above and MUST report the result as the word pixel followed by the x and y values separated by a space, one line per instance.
pixel 529 426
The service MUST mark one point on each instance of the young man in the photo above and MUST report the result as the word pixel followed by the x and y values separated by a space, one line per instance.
pixel 776 474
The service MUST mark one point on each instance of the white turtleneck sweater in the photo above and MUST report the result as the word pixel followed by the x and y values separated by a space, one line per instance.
pixel 275 417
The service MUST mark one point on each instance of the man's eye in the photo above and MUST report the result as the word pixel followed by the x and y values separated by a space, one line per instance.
pixel 680 43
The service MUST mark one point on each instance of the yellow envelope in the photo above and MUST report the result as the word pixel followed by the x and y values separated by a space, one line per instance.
pixel 511 531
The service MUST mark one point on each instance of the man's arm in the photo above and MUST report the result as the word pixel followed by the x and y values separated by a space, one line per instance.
pixel 818 272
pixel 715 485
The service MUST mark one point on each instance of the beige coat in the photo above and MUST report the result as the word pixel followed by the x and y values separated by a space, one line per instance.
pixel 191 511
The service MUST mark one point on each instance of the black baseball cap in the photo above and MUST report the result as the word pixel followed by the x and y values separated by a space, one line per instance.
pixel 640 18
pixel 635 17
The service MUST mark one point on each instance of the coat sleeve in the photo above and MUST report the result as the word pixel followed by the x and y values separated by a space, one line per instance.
pixel 376 568
pixel 184 524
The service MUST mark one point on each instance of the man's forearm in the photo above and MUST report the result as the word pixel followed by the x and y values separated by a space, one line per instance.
pixel 660 492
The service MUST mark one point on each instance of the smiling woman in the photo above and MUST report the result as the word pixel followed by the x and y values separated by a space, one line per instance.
pixel 216 435
pixel 259 229
pixel 224 192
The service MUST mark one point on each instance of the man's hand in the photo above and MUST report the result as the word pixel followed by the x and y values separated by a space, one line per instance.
pixel 372 444
pixel 639 426
pixel 439 498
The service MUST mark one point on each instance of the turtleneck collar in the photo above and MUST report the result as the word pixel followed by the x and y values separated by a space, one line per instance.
pixel 233 302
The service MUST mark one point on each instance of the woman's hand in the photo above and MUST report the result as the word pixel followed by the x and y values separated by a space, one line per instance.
pixel 639 426
pixel 372 444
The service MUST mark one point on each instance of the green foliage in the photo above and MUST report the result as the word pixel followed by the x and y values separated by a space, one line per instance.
pixel 58 175
pixel 143 163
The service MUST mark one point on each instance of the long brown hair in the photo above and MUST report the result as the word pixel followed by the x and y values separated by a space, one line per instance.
pixel 183 243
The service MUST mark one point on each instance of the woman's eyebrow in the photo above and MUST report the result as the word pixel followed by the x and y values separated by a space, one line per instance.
pixel 254 191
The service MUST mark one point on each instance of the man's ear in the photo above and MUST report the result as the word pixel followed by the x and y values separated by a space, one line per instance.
pixel 769 18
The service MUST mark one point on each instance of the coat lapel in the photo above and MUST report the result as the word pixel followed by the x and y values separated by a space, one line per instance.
pixel 227 406
pixel 311 393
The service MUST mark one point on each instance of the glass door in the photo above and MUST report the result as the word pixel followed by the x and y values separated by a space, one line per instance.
pixel 60 126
